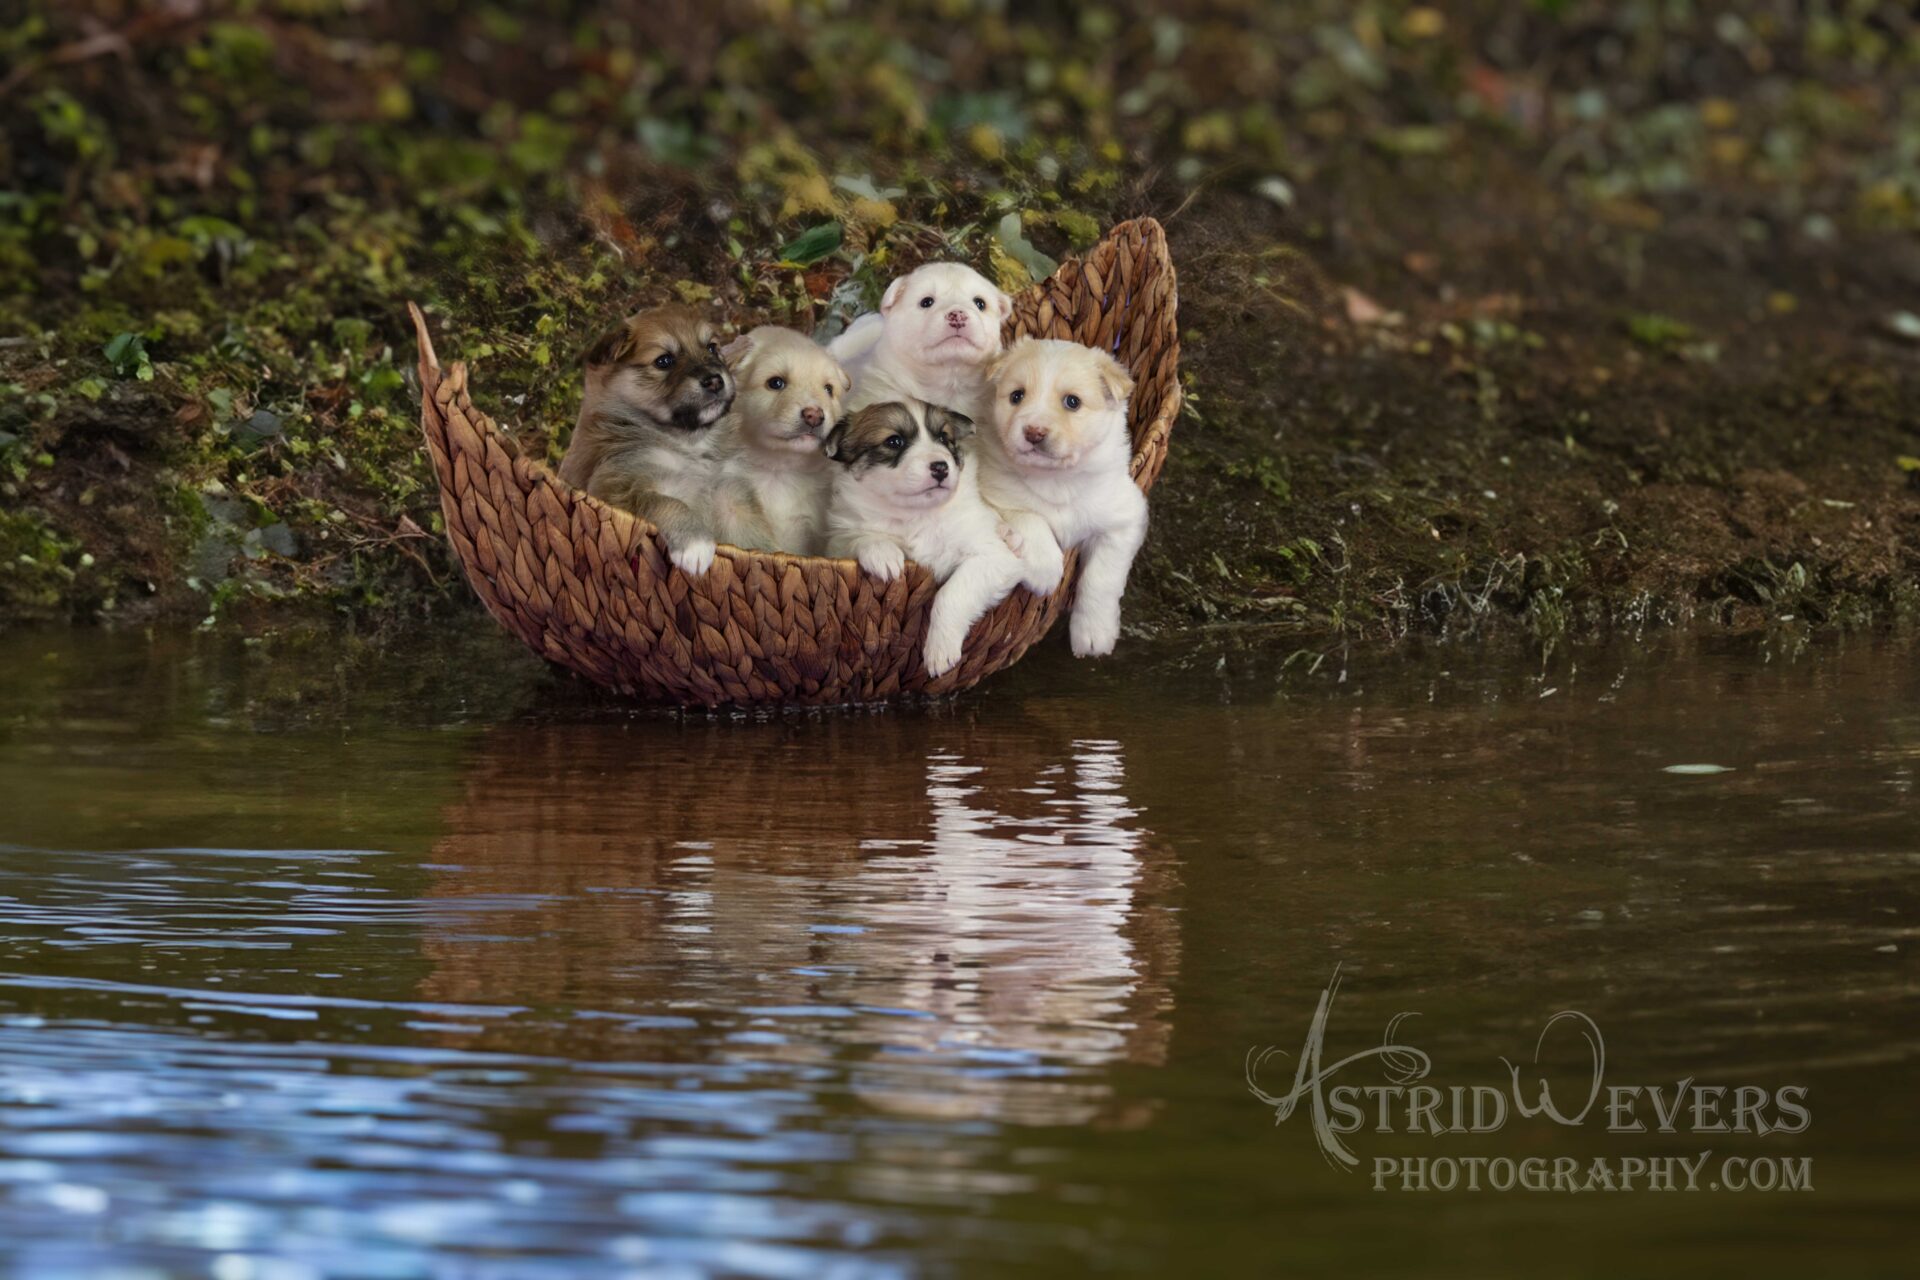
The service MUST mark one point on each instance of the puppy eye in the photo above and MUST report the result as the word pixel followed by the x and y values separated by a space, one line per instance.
pixel 896 442
pixel 829 387
pixel 713 348
pixel 663 362
pixel 1072 401
pixel 776 383
pixel 927 301
pixel 980 303
pixel 1017 396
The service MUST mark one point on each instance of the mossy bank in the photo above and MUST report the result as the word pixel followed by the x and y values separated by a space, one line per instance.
pixel 1549 316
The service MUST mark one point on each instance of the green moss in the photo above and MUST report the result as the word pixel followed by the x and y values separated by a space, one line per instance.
pixel 224 281
pixel 38 567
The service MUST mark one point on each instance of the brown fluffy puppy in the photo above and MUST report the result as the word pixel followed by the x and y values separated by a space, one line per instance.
pixel 654 387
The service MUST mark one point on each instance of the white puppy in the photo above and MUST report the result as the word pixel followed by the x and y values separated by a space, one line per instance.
pixel 937 329
pixel 903 490
pixel 790 392
pixel 1055 466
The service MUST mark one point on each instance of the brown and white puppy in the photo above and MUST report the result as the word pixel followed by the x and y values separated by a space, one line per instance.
pixel 1055 465
pixel 903 489
pixel 791 392
pixel 937 329
pixel 655 387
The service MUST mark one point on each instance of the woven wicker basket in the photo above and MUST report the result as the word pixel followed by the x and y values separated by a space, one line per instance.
pixel 590 587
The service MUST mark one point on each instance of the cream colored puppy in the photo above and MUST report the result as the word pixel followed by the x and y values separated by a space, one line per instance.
pixel 1055 466
pixel 937 329
pixel 790 393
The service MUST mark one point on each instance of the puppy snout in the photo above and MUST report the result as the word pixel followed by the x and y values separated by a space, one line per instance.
pixel 956 319
pixel 813 417
pixel 1035 434
pixel 938 470
pixel 713 384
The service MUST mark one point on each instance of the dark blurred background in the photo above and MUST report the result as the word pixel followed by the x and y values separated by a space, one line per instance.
pixel 1545 313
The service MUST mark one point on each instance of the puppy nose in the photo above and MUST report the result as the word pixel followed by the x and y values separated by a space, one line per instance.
pixel 812 416
pixel 712 383
pixel 938 470
pixel 1035 435
pixel 957 319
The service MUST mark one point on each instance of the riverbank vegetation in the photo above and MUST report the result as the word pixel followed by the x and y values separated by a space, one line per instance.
pixel 1551 315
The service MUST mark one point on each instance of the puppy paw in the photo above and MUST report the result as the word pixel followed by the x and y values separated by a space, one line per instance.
pixel 943 653
pixel 693 557
pixel 1011 536
pixel 884 560
pixel 1094 632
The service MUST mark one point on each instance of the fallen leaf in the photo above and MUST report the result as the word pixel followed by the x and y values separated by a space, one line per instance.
pixel 1361 309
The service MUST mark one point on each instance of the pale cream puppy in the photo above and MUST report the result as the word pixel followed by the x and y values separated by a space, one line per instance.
pixel 791 392
pixel 904 488
pixel 937 329
pixel 1054 464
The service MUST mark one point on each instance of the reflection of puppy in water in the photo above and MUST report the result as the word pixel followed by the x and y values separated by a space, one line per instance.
pixel 1055 465
pixel 903 490
pixel 936 329
pixel 985 867
pixel 791 391
pixel 654 388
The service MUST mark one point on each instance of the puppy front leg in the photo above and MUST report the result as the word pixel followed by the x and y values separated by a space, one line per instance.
pixel 690 542
pixel 1095 627
pixel 979 583
pixel 880 556
pixel 1039 552
pixel 740 520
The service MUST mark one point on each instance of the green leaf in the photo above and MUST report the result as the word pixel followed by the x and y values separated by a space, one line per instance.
pixel 127 353
pixel 1654 330
pixel 1013 239
pixel 1904 324
pixel 1413 140
pixel 811 245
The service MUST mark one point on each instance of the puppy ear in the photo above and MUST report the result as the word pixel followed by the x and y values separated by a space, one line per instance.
pixel 1114 379
pixel 1003 304
pixel 835 438
pixel 736 351
pixel 892 296
pixel 998 366
pixel 959 425
pixel 611 347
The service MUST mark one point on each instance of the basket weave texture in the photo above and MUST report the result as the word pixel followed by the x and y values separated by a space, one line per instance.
pixel 590 587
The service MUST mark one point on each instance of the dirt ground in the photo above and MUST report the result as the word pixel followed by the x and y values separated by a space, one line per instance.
pixel 1550 317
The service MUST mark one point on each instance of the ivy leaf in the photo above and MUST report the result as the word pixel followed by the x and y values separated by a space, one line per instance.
pixel 1013 239
pixel 811 245
pixel 127 353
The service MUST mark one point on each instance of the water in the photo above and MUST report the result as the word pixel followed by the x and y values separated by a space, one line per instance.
pixel 319 961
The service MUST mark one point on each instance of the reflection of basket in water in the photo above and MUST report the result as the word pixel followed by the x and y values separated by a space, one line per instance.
pixel 987 872
pixel 590 587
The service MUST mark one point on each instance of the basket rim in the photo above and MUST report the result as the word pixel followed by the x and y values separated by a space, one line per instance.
pixel 1158 429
